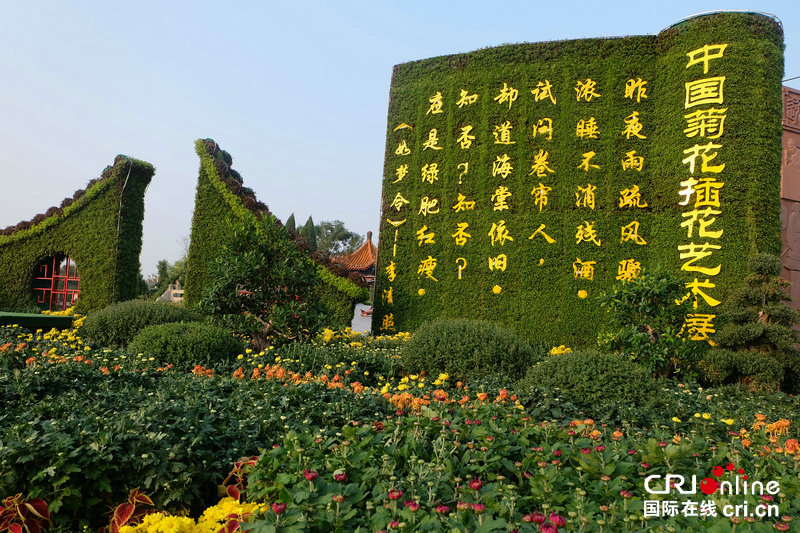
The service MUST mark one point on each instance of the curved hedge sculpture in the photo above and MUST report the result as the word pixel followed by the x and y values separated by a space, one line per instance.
pixel 221 197
pixel 541 143
pixel 100 227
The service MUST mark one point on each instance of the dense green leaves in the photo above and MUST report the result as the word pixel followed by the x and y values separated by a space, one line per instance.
pixel 117 324
pixel 187 344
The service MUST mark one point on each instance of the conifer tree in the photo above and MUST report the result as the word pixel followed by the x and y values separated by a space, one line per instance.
pixel 309 233
pixel 290 223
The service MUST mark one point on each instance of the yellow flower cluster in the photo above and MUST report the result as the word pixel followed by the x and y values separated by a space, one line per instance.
pixel 213 519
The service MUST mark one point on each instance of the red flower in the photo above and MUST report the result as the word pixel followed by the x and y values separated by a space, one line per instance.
pixel 338 498
pixel 310 475
pixel 478 508
pixel 463 506
pixel 442 509
pixel 557 520
pixel 395 494
pixel 278 508
pixel 475 484
pixel 340 476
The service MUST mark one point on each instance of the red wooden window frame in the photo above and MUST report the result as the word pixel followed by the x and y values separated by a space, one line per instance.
pixel 56 283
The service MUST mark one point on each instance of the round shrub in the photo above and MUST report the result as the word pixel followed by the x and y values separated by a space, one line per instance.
pixel 187 343
pixel 117 324
pixel 604 386
pixel 462 348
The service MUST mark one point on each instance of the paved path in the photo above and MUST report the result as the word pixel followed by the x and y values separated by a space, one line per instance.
pixel 361 323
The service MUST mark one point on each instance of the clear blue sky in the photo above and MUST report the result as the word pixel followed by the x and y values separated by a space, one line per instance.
pixel 297 92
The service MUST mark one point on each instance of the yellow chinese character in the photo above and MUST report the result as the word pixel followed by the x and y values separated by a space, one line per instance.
pixel 705 154
pixel 399 202
pixel 543 128
pixel 425 238
pixel 585 196
pixel 465 139
pixel 391 271
pixel 701 217
pixel 462 264
pixel 499 233
pixel 507 94
pixel 436 104
pixel 502 166
pixel 708 192
pixel 403 126
pixel 427 266
pixel 461 236
pixel 631 233
pixel 585 165
pixel 698 327
pixel 463 204
pixel 430 172
pixel 498 263
pixel 631 197
pixel 695 252
pixel 540 195
pixel 433 141
pixel 587 129
pixel 466 99
pixel 502 133
pixel 464 172
pixel 396 223
pixel 687 191
pixel 583 269
pixel 633 161
pixel 694 289
pixel 501 194
pixel 543 90
pixel 428 206
pixel 704 91
pixel 540 230
pixel 705 54
pixel 540 166
pixel 388 322
pixel 402 148
pixel 587 233
pixel 387 296
pixel 633 126
pixel 628 270
pixel 708 123
pixel 401 172
pixel 636 87
pixel 585 90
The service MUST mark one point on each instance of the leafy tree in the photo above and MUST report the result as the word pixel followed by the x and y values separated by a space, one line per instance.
pixel 309 233
pixel 645 323
pixel 290 223
pixel 264 285
pixel 756 342
pixel 334 238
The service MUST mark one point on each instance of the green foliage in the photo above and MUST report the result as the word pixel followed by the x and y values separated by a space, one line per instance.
pixel 333 238
pixel 331 291
pixel 99 228
pixel 757 341
pixel 309 233
pixel 187 344
pixel 117 324
pixel 263 285
pixel 290 224
pixel 539 298
pixel 461 347
pixel 602 385
pixel 645 323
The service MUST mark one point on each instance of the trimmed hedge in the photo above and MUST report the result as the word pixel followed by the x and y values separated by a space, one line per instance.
pixel 188 343
pixel 539 294
pixel 99 228
pixel 220 199
pixel 117 324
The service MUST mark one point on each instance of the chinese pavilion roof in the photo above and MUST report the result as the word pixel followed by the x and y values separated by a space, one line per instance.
pixel 362 258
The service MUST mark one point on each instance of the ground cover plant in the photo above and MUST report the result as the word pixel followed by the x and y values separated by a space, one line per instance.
pixel 337 435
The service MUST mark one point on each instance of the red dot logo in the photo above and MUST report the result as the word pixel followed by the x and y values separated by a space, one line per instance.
pixel 708 486
pixel 717 471
pixel 730 467
pixel 741 470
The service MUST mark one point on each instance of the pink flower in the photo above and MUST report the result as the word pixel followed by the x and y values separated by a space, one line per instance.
pixel 600 448
pixel 475 484
pixel 278 508
pixel 625 494
pixel 548 528
pixel 557 453
pixel 442 509
pixel 338 498
pixel 645 465
pixel 412 506
pixel 538 517
pixel 586 450
pixel 463 506
pixel 393 524
pixel 310 475
pixel 557 520
pixel 340 476
pixel 395 494
pixel 478 508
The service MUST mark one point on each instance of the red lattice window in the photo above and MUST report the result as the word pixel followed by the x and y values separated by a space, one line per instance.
pixel 56 283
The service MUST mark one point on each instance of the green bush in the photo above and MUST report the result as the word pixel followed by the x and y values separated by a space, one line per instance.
pixel 605 386
pixel 188 342
pixel 462 347
pixel 758 371
pixel 117 324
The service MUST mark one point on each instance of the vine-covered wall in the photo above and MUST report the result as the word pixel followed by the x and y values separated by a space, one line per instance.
pixel 521 181
pixel 220 199
pixel 100 228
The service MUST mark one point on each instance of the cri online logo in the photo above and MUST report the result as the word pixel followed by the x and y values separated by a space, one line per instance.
pixel 710 485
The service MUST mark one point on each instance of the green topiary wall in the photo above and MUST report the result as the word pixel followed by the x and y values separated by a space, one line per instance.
pixel 544 292
pixel 220 199
pixel 100 228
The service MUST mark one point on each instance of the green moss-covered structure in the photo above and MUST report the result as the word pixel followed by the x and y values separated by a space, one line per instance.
pixel 220 199
pixel 100 228
pixel 712 86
